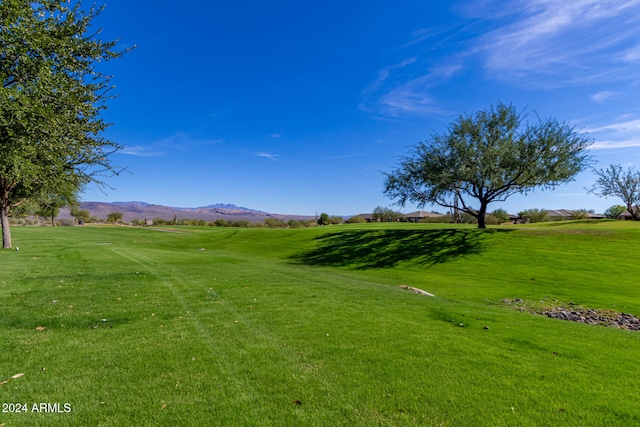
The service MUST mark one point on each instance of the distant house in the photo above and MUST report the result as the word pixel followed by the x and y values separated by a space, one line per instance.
pixel 417 216
pixel 559 214
pixel 516 219
pixel 627 215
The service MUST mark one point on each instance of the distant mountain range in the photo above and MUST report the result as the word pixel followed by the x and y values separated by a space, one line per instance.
pixel 143 210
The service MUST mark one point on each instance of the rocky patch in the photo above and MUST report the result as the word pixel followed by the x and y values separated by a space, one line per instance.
pixel 595 317
pixel 590 316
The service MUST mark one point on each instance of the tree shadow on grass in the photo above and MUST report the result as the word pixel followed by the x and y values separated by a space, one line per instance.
pixel 371 249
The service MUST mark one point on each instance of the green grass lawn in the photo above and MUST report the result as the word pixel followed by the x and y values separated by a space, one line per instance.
pixel 225 326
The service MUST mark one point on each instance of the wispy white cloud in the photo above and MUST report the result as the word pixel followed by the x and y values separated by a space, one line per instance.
pixel 530 44
pixel 632 54
pixel 574 41
pixel 602 96
pixel 610 145
pixel 183 140
pixel 275 135
pixel 140 151
pixel 179 141
pixel 624 127
pixel 616 135
pixel 269 156
pixel 410 97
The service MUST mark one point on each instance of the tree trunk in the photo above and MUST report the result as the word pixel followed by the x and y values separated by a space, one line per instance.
pixel 633 212
pixel 482 212
pixel 6 230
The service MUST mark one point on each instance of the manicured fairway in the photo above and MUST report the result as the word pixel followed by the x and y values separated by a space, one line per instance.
pixel 203 326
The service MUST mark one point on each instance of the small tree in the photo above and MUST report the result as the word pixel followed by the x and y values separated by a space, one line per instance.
pixel 114 217
pixel 500 215
pixel 356 220
pixel 614 211
pixel 81 215
pixel 534 215
pixel 617 182
pixel 488 156
pixel 385 214
pixel 580 214
pixel 324 219
pixel 335 219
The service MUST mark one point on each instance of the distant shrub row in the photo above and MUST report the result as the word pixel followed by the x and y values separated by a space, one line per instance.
pixel 243 223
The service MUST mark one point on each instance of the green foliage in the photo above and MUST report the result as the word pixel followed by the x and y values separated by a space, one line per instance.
pixel 28 208
pixel 324 219
pixel 616 182
pixel 444 219
pixel 488 157
pixel 241 223
pixel 501 215
pixel 51 99
pixel 334 220
pixel 275 223
pixel 579 214
pixel 467 218
pixel 534 215
pixel 614 212
pixel 384 214
pixel 356 220
pixel 80 214
pixel 114 217
pixel 220 222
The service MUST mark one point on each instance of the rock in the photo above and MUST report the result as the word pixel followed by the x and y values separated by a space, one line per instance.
pixel 596 317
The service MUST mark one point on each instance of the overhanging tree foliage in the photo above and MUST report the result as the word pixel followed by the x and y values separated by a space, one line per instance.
pixel 614 181
pixel 50 102
pixel 488 156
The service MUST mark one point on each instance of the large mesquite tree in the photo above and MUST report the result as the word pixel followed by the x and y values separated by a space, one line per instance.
pixel 50 101
pixel 487 157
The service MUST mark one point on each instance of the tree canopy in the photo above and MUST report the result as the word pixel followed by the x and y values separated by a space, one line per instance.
pixel 486 157
pixel 383 214
pixel 50 102
pixel 625 184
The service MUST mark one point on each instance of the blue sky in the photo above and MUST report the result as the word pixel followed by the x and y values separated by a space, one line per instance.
pixel 298 107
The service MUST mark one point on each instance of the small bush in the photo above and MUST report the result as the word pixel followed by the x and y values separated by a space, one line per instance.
pixel 274 223
pixel 137 222
pixel 334 219
pixel 534 215
pixel 444 219
pixel 466 218
pixel 356 220
pixel 580 214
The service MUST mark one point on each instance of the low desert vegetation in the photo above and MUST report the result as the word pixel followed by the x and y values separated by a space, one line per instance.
pixel 316 326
